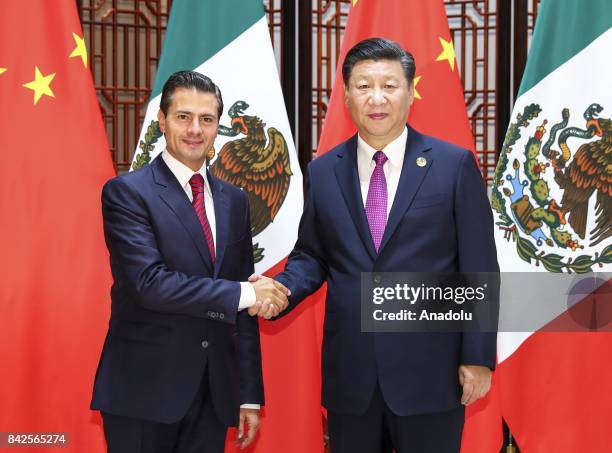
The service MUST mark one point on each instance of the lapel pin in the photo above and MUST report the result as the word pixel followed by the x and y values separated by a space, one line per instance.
pixel 421 161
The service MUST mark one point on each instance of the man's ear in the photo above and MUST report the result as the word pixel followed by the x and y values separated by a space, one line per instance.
pixel 162 121
pixel 346 95
pixel 411 93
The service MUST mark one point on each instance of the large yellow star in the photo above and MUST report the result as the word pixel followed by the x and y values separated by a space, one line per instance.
pixel 355 2
pixel 2 70
pixel 416 80
pixel 40 85
pixel 448 52
pixel 80 50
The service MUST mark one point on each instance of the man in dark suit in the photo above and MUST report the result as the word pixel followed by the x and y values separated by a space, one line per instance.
pixel 181 361
pixel 391 199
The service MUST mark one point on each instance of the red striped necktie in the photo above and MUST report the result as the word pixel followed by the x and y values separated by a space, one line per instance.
pixel 197 188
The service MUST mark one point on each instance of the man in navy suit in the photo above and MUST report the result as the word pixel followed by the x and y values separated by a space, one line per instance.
pixel 391 199
pixel 181 361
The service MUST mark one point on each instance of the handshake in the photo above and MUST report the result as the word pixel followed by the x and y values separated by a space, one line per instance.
pixel 271 297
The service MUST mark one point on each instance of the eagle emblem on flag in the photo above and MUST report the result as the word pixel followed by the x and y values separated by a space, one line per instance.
pixel 553 195
pixel 258 163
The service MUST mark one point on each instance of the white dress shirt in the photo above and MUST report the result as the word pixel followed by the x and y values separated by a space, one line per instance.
pixel 183 174
pixel 392 167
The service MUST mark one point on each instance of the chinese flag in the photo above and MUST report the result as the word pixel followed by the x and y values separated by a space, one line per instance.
pixel 420 27
pixel 55 277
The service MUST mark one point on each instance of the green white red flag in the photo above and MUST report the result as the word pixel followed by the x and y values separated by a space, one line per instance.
pixel 553 207
pixel 229 41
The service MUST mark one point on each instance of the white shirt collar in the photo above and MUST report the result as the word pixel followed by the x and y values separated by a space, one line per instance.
pixel 394 150
pixel 182 172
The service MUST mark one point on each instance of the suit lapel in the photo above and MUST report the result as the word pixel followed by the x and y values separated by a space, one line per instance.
pixel 174 196
pixel 222 220
pixel 348 180
pixel 411 178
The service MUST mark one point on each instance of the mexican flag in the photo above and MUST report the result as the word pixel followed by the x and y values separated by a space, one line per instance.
pixel 421 27
pixel 54 275
pixel 229 41
pixel 553 209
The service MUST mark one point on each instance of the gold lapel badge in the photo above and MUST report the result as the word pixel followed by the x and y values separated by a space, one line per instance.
pixel 421 161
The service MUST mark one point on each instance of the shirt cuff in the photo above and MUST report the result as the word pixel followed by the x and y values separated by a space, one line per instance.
pixel 250 406
pixel 247 296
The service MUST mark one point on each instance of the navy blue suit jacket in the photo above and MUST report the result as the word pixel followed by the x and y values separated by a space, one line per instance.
pixel 440 221
pixel 174 313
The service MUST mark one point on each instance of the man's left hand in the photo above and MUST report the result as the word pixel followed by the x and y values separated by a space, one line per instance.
pixel 476 382
pixel 248 418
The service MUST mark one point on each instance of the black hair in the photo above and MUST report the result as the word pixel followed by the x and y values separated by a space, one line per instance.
pixel 189 79
pixel 378 49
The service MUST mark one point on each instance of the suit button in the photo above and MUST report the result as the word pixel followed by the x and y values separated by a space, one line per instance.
pixel 377 278
pixel 205 344
pixel 221 316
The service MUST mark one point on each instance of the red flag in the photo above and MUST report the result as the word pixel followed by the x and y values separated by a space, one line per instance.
pixel 555 394
pixel 291 419
pixel 54 295
pixel 546 405
pixel 421 27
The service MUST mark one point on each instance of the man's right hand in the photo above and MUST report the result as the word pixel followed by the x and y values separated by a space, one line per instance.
pixel 271 297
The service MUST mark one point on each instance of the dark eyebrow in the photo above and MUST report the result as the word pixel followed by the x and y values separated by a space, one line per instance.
pixel 186 112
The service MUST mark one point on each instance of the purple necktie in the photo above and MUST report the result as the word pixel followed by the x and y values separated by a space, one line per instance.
pixel 376 202
pixel 197 188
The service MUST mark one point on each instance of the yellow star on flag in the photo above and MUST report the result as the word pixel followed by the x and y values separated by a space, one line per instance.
pixel 415 81
pixel 448 53
pixel 80 50
pixel 355 2
pixel 2 70
pixel 40 85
